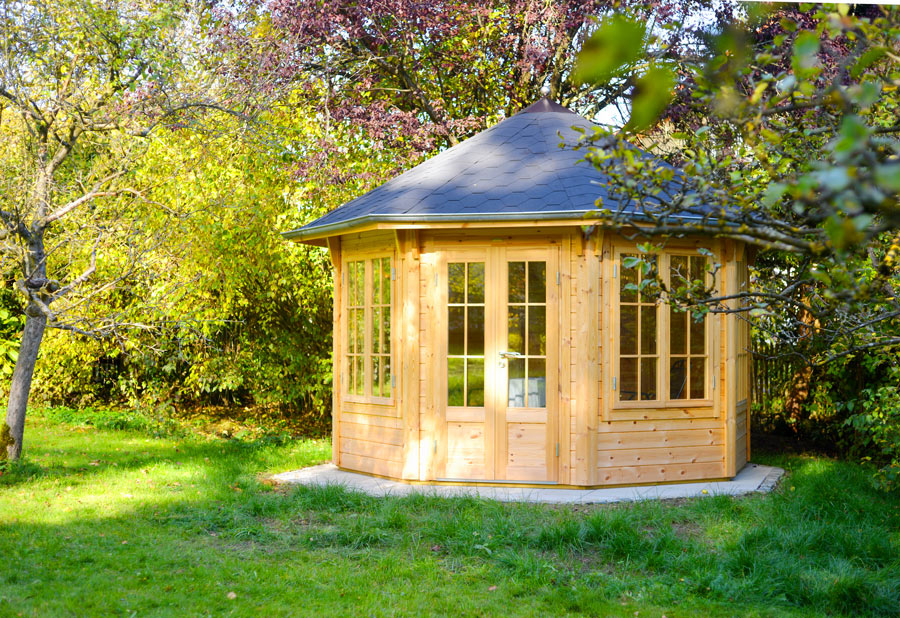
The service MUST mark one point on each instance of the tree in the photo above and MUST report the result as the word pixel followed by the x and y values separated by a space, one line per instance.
pixel 402 79
pixel 789 143
pixel 81 83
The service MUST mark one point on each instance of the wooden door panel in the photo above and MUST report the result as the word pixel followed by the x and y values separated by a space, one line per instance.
pixel 465 451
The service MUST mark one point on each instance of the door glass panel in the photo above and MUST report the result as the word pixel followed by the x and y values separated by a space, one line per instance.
pixel 537 382
pixel 456 379
pixel 457 288
pixel 475 285
pixel 537 331
pixel 475 331
pixel 465 334
pixel 527 319
pixel 517 383
pixel 475 381
pixel 456 331
pixel 516 334
pixel 638 339
pixel 517 282
pixel 537 282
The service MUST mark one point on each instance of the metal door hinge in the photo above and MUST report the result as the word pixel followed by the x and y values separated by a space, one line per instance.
pixel 557 277
pixel 615 270
pixel 714 383
pixel 393 381
pixel 393 273
pixel 435 446
pixel 614 383
pixel 557 449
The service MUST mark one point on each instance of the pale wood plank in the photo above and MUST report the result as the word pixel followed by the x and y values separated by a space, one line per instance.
pixel 662 473
pixel 657 424
pixel 374 450
pixel 334 252
pixel 659 455
pixel 364 419
pixel 372 433
pixel 408 242
pixel 650 439
pixel 380 467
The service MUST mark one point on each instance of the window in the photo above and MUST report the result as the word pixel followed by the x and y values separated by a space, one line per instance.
pixel 527 334
pixel 369 327
pixel 662 350
pixel 465 334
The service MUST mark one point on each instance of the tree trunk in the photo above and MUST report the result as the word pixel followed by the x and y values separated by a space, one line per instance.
pixel 35 324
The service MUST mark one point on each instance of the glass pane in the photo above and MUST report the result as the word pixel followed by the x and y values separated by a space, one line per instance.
pixel 386 376
pixel 648 292
pixel 537 331
pixel 537 282
pixel 678 328
pixel 475 382
pixel 476 282
pixel 386 330
pixel 698 339
pixel 648 379
pixel 360 329
pixel 360 282
pixel 360 375
pixel 456 276
pixel 386 281
pixel 678 378
pixel 679 270
pixel 376 376
pixel 517 282
pixel 698 378
pixel 376 330
pixel 698 268
pixel 537 383
pixel 516 337
pixel 628 330
pixel 456 331
pixel 456 368
pixel 475 328
pixel 648 330
pixel 629 275
pixel 628 382
pixel 516 387
pixel 376 282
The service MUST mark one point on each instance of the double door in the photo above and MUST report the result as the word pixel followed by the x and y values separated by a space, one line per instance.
pixel 497 339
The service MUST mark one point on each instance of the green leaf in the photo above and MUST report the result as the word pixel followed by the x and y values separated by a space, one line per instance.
pixel 652 93
pixel 888 176
pixel 617 43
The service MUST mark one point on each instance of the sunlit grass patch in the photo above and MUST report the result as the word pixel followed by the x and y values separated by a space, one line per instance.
pixel 113 521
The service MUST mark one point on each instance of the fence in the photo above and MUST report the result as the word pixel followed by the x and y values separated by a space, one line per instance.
pixel 770 371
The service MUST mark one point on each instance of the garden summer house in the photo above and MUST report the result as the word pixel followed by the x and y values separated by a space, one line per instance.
pixel 483 332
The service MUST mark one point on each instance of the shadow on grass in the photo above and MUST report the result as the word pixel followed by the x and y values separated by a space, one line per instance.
pixel 825 542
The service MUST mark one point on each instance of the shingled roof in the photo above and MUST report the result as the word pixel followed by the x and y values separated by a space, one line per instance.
pixel 515 170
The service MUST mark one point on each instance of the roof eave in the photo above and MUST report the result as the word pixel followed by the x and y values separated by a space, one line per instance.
pixel 318 234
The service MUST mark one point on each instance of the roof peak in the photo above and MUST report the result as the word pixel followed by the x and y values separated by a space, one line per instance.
pixel 543 105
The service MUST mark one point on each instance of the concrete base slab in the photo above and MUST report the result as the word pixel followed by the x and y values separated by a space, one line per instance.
pixel 752 478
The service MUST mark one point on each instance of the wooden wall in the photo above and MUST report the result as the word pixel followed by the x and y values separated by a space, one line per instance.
pixel 600 444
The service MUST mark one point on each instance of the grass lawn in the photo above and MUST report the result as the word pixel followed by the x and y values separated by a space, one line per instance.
pixel 117 523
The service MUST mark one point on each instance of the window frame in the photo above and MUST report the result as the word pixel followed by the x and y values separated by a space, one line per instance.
pixel 663 354
pixel 368 258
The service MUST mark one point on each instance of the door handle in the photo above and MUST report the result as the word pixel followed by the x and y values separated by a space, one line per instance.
pixel 511 355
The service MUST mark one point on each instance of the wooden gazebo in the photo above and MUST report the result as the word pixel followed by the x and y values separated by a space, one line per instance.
pixel 483 332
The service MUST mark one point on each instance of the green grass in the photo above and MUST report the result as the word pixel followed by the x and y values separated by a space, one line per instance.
pixel 112 522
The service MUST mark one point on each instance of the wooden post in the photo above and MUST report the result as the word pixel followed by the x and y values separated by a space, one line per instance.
pixel 587 370
pixel 408 244
pixel 566 344
pixel 728 387
pixel 334 252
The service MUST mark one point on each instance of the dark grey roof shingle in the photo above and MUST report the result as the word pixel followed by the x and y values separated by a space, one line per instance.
pixel 514 168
